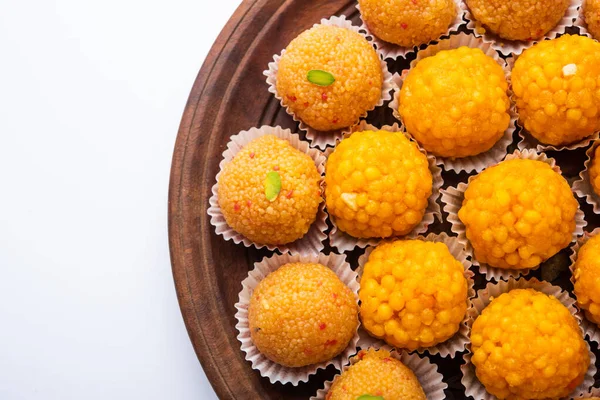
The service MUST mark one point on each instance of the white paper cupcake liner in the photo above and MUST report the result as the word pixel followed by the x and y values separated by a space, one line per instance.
pixel 312 242
pixel 469 379
pixel 453 197
pixel 478 162
pixel 594 392
pixel 317 138
pixel 508 47
pixel 456 343
pixel 267 368
pixel 527 141
pixel 583 186
pixel 426 372
pixel 344 242
pixel 591 329
pixel 393 51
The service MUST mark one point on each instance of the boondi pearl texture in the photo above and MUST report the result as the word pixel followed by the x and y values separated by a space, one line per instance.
pixel 527 345
pixel 455 103
pixel 557 88
pixel 518 214
pixel 519 19
pixel 586 274
pixel 377 184
pixel 352 62
pixel 242 198
pixel 408 23
pixel 376 373
pixel 302 314
pixel 413 294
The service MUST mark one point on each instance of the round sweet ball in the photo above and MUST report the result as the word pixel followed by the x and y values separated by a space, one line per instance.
pixel 518 20
pixel 527 345
pixel 329 77
pixel 518 214
pixel 591 13
pixel 408 23
pixel 413 294
pixel 377 184
pixel 586 274
pixel 376 375
pixel 270 192
pixel 557 89
pixel 302 314
pixel 594 171
pixel 455 103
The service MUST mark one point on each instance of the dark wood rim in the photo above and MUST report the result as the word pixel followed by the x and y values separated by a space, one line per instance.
pixel 208 318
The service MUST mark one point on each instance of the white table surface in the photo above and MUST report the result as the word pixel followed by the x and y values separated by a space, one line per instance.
pixel 91 95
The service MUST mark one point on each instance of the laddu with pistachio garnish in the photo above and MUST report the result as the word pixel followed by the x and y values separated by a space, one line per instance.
pixel 329 77
pixel 270 192
pixel 376 375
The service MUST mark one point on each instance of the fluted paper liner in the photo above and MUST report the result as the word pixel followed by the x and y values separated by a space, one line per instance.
pixel 426 372
pixel 317 138
pixel 583 186
pixel 456 343
pixel 267 368
pixel 508 47
pixel 591 329
pixel 344 242
pixel 469 379
pixel 453 197
pixel 594 392
pixel 393 51
pixel 312 242
pixel 494 155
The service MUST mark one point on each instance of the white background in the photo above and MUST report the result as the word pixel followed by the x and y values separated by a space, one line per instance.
pixel 91 95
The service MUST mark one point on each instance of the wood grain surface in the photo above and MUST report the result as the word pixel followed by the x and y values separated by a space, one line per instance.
pixel 230 95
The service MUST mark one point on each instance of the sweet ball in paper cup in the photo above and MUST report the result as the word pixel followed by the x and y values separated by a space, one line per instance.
pixel 298 314
pixel 515 215
pixel 396 28
pixel 512 27
pixel 415 295
pixel 588 185
pixel 379 184
pixel 555 89
pixel 455 101
pixel 385 373
pixel 585 268
pixel 268 192
pixel 328 78
pixel 526 342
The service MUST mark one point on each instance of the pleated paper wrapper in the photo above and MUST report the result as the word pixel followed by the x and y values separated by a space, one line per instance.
pixel 469 380
pixel 317 138
pixel 456 343
pixel 393 51
pixel 583 186
pixel 508 47
pixel 426 372
pixel 494 155
pixel 312 242
pixel 344 242
pixel 453 197
pixel 267 368
pixel 591 329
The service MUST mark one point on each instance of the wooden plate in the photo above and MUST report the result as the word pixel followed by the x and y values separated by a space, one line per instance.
pixel 230 95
